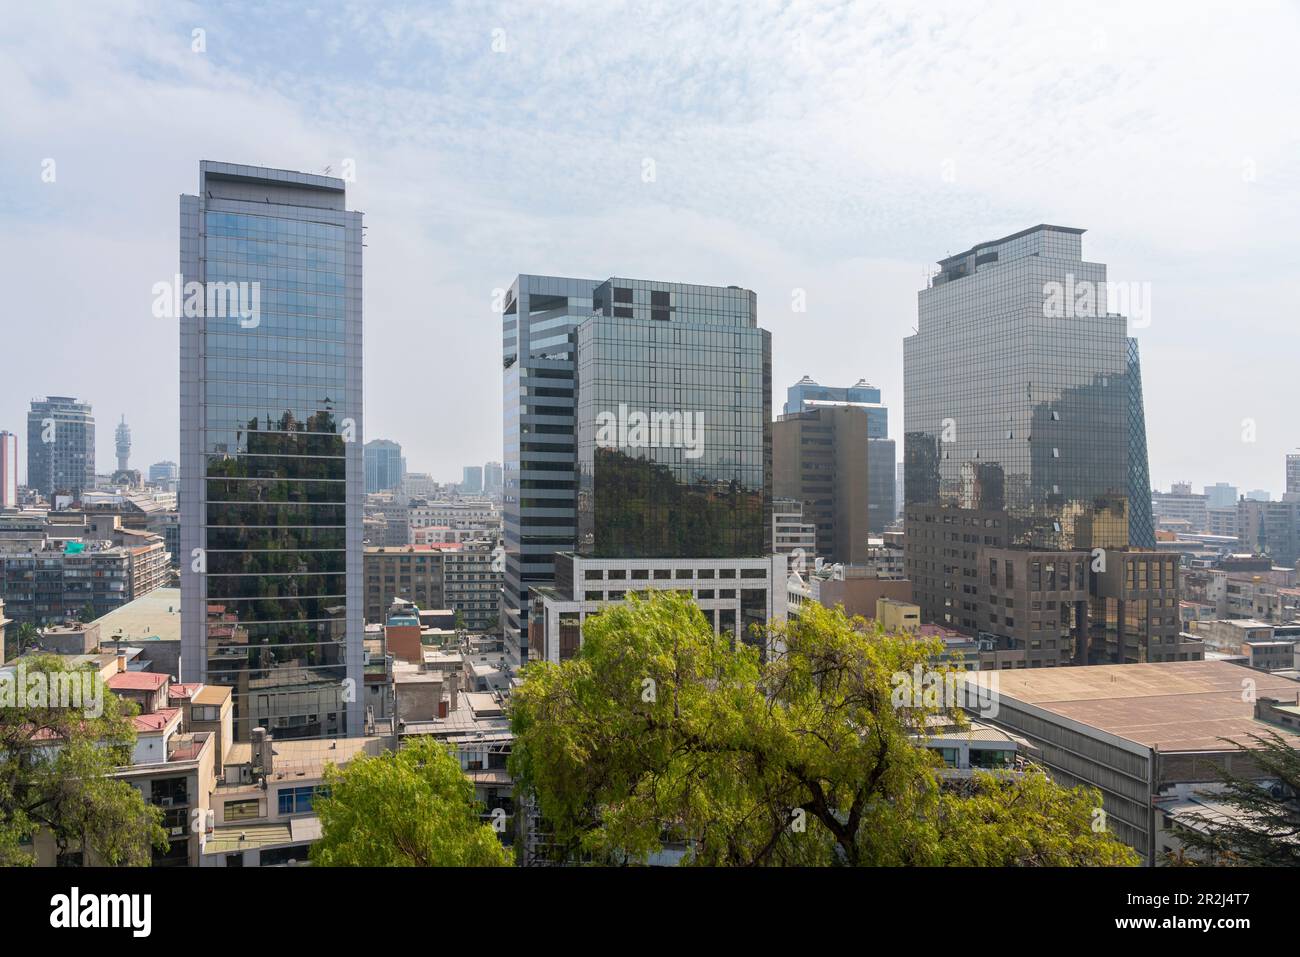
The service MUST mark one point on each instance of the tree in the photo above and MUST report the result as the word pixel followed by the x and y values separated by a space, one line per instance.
pixel 660 734
pixel 1265 830
pixel 55 775
pixel 412 808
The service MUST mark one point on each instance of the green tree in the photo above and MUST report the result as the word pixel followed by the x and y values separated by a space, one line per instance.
pixel 55 767
pixel 412 808
pixel 1264 831
pixel 660 733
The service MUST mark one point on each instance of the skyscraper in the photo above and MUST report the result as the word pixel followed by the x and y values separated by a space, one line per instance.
pixel 1141 524
pixel 1020 440
pixel 1293 473
pixel 122 445
pixel 271 460
pixel 472 479
pixel 8 470
pixel 673 429
pixel 806 394
pixel 820 458
pixel 538 317
pixel 492 478
pixel 61 446
pixel 384 465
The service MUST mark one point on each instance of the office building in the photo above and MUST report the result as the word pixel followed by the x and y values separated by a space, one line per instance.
pixel 472 480
pixel 271 454
pixel 383 465
pixel 60 446
pixel 674 442
pixel 411 573
pixel 1293 473
pixel 164 474
pixel 1270 528
pixel 1221 495
pixel 8 470
pixel 1020 434
pixel 1181 505
pixel 820 457
pixel 790 532
pixel 492 478
pixel 472 585
pixel 1141 523
pixel 807 395
pixel 539 317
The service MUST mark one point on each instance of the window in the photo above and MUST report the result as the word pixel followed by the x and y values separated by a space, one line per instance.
pixel 298 800
pixel 242 810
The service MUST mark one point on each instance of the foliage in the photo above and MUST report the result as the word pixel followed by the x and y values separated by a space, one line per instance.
pixel 412 808
pixel 660 735
pixel 55 776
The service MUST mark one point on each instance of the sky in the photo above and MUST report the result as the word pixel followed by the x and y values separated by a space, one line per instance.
pixel 815 152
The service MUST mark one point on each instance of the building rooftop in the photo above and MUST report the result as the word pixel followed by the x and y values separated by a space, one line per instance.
pixel 306 756
pixel 1168 705
pixel 152 617
pixel 136 681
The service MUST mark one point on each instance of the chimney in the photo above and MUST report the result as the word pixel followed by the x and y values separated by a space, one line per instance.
pixel 121 661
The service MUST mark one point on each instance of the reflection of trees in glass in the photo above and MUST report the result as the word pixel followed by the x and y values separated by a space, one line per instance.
pixel 642 510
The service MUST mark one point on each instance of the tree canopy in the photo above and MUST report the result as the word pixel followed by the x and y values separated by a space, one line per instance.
pixel 412 808
pixel 55 775
pixel 660 735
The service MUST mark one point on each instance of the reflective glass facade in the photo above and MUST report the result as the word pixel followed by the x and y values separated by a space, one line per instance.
pixel 674 435
pixel 1017 431
pixel 1141 524
pixel 271 454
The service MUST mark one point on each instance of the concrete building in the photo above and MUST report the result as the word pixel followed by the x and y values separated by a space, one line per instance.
pixel 61 446
pixel 272 429
pixel 790 533
pixel 472 480
pixel 820 458
pixel 1270 528
pixel 1141 734
pixel 8 470
pixel 1180 503
pixel 413 573
pixel 492 479
pixel 1220 495
pixel 473 575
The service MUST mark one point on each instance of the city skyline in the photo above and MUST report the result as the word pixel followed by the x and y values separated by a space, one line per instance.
pixel 851 244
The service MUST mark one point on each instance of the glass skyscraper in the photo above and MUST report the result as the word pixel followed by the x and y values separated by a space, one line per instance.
pixel 383 463
pixel 1023 446
pixel 271 460
pixel 674 423
pixel 1141 524
pixel 61 446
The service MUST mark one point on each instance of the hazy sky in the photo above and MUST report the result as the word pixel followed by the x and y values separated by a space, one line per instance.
pixel 833 149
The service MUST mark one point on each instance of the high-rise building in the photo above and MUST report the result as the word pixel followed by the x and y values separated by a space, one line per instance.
pixel 1019 437
pixel 492 478
pixel 271 455
pixel 820 457
pixel 1293 473
pixel 674 440
pixel 1221 495
pixel 471 480
pixel 122 445
pixel 539 316
pixel 61 446
pixel 384 465
pixel 8 470
pixel 1141 523
pixel 163 473
pixel 807 395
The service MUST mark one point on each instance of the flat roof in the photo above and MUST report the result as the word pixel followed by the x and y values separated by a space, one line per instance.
pixel 1169 705
pixel 156 615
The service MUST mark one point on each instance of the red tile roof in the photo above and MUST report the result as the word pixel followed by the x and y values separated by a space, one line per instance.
pixel 155 720
pixel 183 691
pixel 136 681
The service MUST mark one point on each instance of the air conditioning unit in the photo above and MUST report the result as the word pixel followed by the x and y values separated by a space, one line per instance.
pixel 165 802
pixel 177 831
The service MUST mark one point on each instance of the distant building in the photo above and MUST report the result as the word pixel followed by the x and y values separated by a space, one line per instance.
pixel 122 445
pixel 789 530
pixel 1181 504
pixel 1293 473
pixel 164 474
pixel 8 470
pixel 472 482
pixel 383 465
pixel 1223 495
pixel 61 446
pixel 820 458
pixel 492 478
